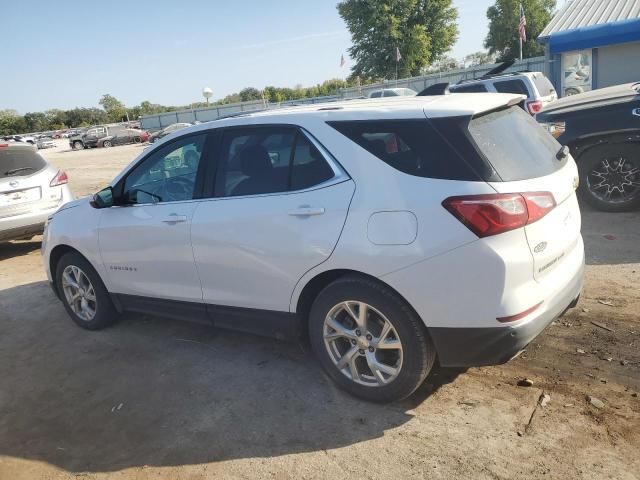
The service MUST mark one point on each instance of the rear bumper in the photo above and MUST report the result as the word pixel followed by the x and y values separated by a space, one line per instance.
pixel 476 347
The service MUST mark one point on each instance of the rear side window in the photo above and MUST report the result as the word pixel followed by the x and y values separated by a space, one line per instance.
pixel 411 146
pixel 261 160
pixel 511 86
pixel 515 145
pixel 20 162
pixel 475 88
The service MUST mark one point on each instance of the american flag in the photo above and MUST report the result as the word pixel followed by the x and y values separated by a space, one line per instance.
pixel 398 56
pixel 342 60
pixel 523 23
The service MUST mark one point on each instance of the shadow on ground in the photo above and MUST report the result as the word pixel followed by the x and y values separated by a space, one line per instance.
pixel 162 393
pixel 17 249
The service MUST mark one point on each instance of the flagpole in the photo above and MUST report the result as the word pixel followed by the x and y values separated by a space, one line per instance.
pixel 520 48
pixel 396 74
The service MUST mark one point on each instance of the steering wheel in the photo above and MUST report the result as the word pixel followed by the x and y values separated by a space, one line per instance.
pixel 178 188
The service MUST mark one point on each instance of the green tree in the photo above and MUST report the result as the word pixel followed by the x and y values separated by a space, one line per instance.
pixel 504 18
pixel 423 30
pixel 115 108
pixel 11 123
pixel 479 58
pixel 249 93
pixel 36 121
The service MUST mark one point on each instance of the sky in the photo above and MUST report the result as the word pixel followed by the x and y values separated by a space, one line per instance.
pixel 168 51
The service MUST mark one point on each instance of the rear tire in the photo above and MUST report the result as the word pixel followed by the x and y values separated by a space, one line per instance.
pixel 380 368
pixel 78 146
pixel 106 144
pixel 605 179
pixel 94 309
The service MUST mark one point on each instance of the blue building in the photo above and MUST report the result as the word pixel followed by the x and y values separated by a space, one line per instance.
pixel 592 44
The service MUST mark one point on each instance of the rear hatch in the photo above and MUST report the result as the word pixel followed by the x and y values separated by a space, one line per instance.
pixel 23 179
pixel 546 91
pixel 525 158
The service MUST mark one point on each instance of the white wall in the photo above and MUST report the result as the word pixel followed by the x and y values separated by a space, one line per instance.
pixel 618 64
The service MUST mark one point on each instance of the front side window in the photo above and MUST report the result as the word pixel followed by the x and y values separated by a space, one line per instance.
pixel 256 161
pixel 167 175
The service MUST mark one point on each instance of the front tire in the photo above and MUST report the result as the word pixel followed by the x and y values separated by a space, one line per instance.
pixel 369 340
pixel 78 146
pixel 83 294
pixel 610 177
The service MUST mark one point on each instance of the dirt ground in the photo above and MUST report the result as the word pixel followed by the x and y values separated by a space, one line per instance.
pixel 152 398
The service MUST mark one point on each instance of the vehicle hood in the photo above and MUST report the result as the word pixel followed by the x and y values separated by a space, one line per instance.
pixel 75 203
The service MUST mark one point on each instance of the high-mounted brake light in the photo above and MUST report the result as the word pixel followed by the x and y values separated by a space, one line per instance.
pixel 4 145
pixel 534 107
pixel 60 179
pixel 491 214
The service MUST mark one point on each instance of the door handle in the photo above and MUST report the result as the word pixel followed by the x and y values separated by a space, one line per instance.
pixel 175 218
pixel 306 211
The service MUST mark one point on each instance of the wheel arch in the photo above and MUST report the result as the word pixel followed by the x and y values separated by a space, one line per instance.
pixel 316 284
pixel 54 257
pixel 579 146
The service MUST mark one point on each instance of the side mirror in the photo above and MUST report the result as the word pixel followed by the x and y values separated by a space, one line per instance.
pixel 103 199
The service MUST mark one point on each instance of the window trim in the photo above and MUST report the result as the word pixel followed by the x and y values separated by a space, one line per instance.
pixel 201 173
pixel 339 173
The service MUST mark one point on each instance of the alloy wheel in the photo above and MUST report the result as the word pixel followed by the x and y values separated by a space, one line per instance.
pixel 79 293
pixel 615 180
pixel 362 343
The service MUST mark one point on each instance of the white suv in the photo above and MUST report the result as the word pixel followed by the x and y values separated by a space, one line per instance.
pixel 534 85
pixel 393 232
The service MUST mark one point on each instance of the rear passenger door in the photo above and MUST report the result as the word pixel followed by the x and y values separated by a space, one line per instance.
pixel 279 202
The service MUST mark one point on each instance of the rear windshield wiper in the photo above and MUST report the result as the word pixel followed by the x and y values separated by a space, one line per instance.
pixel 17 170
pixel 563 153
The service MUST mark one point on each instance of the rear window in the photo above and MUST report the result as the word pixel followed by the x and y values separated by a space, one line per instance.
pixel 475 88
pixel 543 85
pixel 19 162
pixel 511 86
pixel 411 146
pixel 517 147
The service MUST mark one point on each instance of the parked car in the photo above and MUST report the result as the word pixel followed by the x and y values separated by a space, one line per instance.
pixel 534 85
pixel 392 92
pixel 174 127
pixel 89 138
pixel 394 232
pixel 25 139
pixel 602 130
pixel 45 142
pixel 123 137
pixel 30 191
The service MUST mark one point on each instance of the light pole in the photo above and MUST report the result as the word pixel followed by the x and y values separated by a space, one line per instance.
pixel 207 93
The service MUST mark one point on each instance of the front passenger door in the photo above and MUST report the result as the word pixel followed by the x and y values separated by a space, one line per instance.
pixel 145 241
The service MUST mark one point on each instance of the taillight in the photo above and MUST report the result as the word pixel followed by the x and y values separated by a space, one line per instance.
pixel 534 107
pixel 60 179
pixel 491 214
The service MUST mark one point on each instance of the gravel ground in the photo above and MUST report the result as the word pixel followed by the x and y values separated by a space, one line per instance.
pixel 152 398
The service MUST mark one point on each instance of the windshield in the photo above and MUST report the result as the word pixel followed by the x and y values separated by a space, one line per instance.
pixel 515 145
pixel 20 162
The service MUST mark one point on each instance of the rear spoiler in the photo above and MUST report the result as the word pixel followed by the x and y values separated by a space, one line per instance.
pixel 435 89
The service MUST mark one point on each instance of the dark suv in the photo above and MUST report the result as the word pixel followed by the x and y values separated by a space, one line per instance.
pixel 602 129
pixel 89 138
